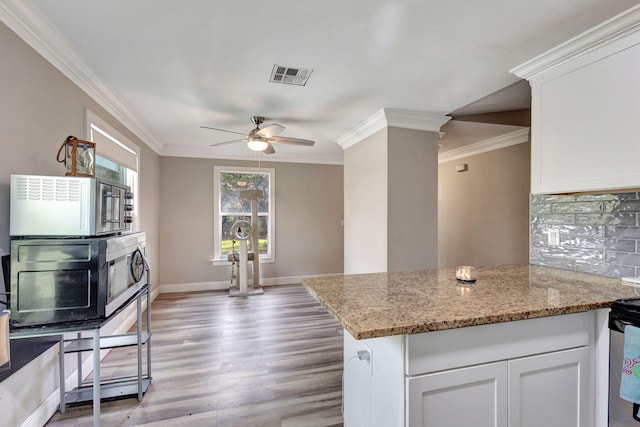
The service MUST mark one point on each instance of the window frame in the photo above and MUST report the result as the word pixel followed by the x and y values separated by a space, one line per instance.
pixel 217 217
pixel 126 154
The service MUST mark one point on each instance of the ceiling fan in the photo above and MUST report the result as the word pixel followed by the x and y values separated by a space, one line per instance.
pixel 262 139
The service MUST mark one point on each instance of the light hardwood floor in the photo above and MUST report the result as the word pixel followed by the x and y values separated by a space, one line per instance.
pixel 266 360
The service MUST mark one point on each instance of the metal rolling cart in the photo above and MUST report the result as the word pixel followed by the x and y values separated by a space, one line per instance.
pixel 100 389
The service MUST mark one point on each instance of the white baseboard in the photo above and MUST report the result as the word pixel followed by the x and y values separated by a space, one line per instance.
pixel 224 285
pixel 45 411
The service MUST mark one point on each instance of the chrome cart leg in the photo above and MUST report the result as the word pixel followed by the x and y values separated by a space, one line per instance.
pixel 62 378
pixel 139 346
pixel 148 334
pixel 79 362
pixel 96 377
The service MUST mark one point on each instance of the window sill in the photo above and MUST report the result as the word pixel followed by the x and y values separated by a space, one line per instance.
pixel 224 262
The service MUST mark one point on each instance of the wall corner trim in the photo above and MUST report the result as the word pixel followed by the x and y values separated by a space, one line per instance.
pixel 391 117
pixel 605 33
pixel 502 141
pixel 28 23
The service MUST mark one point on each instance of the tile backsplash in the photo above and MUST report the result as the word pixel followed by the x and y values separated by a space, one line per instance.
pixel 599 233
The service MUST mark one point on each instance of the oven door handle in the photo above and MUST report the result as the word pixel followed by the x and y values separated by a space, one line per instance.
pixel 146 264
pixel 618 324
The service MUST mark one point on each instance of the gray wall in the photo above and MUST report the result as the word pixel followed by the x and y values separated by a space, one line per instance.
pixel 482 213
pixel 599 233
pixel 309 209
pixel 391 201
pixel 39 108
pixel 412 204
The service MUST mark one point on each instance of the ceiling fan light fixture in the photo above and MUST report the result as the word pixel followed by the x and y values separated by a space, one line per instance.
pixel 257 144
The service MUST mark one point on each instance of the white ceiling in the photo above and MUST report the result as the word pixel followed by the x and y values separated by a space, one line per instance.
pixel 176 65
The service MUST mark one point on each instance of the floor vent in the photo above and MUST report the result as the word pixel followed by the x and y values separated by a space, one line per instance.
pixel 290 75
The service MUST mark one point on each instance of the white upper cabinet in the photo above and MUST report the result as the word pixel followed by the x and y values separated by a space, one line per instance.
pixel 585 130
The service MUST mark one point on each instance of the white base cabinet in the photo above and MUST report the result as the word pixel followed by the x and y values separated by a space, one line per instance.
pixel 550 390
pixel 538 372
pixel 544 390
pixel 474 396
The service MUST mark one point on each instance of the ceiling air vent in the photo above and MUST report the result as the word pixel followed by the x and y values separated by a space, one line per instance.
pixel 290 75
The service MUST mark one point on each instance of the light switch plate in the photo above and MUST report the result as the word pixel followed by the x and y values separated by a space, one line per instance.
pixel 554 237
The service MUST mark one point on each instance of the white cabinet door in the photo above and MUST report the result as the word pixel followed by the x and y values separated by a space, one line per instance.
pixel 585 128
pixel 551 390
pixel 475 396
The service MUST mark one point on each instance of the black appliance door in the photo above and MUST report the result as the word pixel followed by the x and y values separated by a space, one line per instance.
pixel 56 280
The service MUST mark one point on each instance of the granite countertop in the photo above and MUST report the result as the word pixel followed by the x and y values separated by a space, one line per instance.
pixel 383 304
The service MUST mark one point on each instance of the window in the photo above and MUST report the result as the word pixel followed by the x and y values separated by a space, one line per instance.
pixel 229 208
pixel 117 158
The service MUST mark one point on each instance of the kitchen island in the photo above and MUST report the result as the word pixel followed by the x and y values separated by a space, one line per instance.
pixel 524 345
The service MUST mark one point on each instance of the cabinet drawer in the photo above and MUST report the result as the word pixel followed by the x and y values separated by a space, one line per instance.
pixel 454 348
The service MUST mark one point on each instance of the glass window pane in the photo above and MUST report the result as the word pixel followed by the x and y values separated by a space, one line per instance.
pixel 231 183
pixel 227 233
pixel 263 234
pixel 230 208
pixel 111 171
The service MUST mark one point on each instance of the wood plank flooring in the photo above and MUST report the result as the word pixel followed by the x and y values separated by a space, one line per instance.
pixel 266 360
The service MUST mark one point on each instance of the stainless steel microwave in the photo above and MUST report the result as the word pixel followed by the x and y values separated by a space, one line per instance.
pixel 66 280
pixel 68 206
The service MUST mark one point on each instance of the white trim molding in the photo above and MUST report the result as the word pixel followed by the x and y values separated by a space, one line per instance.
pixel 44 412
pixel 225 284
pixel 502 141
pixel 609 31
pixel 175 150
pixel 390 117
pixel 24 18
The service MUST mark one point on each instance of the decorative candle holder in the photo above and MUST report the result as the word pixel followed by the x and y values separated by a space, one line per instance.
pixel 466 274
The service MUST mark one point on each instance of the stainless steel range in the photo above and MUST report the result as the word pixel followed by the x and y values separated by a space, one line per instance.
pixel 63 280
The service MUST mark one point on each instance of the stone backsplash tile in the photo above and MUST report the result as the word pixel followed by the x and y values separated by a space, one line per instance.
pixel 577 207
pixel 604 197
pixel 606 219
pixel 544 198
pixel 621 206
pixel 557 219
pixel 582 230
pixel 584 242
pixel 599 233
pixel 622 232
pixel 621 245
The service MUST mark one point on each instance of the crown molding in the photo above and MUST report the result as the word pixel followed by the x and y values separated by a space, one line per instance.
pixel 246 154
pixel 390 117
pixel 605 33
pixel 24 18
pixel 502 141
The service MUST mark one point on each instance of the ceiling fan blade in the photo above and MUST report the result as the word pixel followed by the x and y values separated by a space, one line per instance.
pixel 292 141
pixel 271 130
pixel 269 149
pixel 222 130
pixel 227 142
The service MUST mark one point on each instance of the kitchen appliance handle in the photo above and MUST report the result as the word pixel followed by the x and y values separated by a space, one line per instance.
pixel 618 324
pixel 146 264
